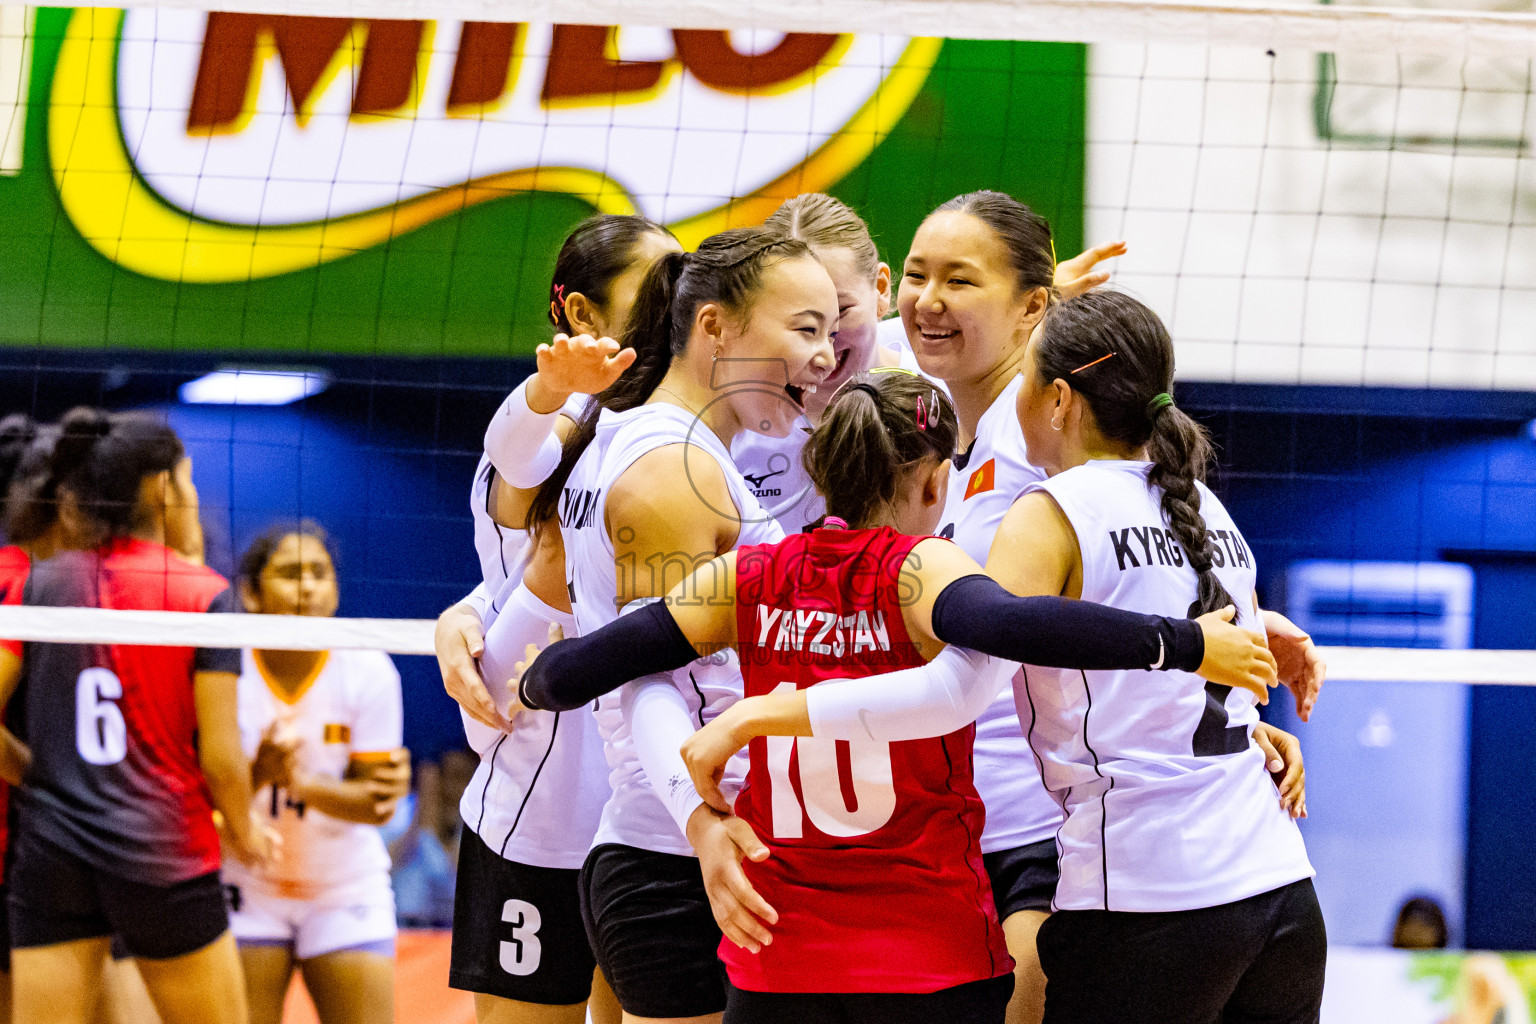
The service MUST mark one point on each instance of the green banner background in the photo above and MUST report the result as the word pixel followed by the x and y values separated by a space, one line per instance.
pixel 1009 116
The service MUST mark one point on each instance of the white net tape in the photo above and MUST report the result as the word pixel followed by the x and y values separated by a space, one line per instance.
pixel 1322 28
pixel 414 636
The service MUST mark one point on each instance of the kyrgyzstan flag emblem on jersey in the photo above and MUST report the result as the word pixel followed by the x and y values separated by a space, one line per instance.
pixel 984 479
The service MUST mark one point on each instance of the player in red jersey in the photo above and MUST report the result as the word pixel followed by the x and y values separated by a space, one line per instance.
pixel 18 437
pixel 132 747
pixel 884 910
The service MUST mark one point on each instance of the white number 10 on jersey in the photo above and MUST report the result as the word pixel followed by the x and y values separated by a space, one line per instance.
pixel 822 785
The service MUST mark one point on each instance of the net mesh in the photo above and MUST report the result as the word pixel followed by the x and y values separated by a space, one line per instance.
pixel 1332 206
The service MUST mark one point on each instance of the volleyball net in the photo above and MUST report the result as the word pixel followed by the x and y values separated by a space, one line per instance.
pixel 354 206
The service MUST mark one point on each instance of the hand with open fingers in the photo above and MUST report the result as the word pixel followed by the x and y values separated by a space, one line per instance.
pixel 459 640
pixel 582 365
pixel 1235 656
pixel 1077 275
pixel 706 753
pixel 1283 760
pixel 721 841
pixel 520 669
pixel 1301 667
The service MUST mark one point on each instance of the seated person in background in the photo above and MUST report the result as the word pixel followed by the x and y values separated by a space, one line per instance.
pixel 324 732
pixel 424 841
pixel 1420 925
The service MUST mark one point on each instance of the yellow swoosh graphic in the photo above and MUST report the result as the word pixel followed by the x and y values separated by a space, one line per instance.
pixel 122 218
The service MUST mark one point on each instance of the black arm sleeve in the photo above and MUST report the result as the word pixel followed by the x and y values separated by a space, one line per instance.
pixel 579 669
pixel 1058 632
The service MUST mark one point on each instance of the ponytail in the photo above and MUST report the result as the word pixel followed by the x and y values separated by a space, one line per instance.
pixel 17 432
pixel 727 269
pixel 1117 354
pixel 596 252
pixel 877 425
pixel 101 458
pixel 647 332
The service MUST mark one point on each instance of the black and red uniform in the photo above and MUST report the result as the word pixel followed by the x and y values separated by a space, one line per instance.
pixel 115 818
pixel 15 563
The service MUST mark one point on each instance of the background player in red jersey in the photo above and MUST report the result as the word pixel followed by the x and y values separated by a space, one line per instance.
pixel 133 748
pixel 849 825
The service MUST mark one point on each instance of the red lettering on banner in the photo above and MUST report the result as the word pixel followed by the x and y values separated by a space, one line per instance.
pixel 710 57
pixel 482 68
pixel 305 48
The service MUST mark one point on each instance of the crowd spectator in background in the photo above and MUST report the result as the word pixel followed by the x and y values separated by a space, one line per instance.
pixel 323 729
pixel 1420 925
pixel 424 841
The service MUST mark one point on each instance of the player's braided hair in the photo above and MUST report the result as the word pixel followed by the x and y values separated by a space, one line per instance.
pixel 600 249
pixel 877 426
pixel 1128 396
pixel 728 270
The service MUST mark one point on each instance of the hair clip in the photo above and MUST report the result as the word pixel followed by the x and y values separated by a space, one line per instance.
pixel 922 419
pixel 1096 362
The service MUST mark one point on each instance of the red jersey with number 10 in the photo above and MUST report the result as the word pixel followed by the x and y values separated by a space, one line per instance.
pixel 876 847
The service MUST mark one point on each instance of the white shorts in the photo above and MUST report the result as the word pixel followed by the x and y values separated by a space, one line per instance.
pixel 359 915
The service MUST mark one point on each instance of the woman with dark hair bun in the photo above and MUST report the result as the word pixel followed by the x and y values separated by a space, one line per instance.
pixel 133 747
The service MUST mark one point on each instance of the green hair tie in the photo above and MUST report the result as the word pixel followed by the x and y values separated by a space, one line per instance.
pixel 1158 404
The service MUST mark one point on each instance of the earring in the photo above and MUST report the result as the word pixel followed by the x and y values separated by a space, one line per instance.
pixel 1055 425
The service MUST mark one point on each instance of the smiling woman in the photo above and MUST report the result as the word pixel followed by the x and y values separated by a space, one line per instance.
pixel 731 338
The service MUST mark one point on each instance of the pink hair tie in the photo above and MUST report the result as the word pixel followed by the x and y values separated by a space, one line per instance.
pixel 834 523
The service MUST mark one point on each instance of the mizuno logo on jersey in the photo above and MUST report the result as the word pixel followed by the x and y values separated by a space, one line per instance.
pixel 1157 546
pixel 821 632
pixel 758 480
pixel 578 508
pixel 984 479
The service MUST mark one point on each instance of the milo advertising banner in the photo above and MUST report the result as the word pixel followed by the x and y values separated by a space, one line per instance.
pixel 248 183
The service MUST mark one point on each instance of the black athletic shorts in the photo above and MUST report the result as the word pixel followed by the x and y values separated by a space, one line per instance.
pixel 978 1002
pixel 1023 878
pixel 1256 960
pixel 649 922
pixel 517 929
pixel 57 897
pixel 5 929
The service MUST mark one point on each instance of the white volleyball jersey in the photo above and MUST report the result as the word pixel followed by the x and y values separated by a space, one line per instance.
pixel 502 551
pixel 773 468
pixel 634 816
pixel 983 485
pixel 349 708
pixel 1168 803
pixel 776 475
pixel 539 791
pixel 536 796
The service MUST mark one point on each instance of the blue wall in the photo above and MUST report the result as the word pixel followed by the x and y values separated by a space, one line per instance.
pixel 384 460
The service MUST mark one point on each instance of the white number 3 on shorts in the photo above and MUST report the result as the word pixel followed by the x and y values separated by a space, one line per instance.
pixel 521 955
